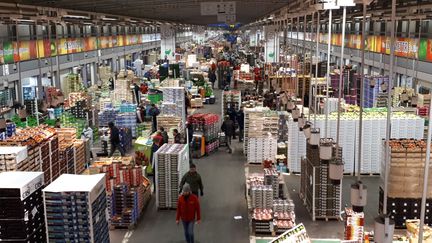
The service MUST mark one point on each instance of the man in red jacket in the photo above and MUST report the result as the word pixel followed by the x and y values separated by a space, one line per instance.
pixel 187 208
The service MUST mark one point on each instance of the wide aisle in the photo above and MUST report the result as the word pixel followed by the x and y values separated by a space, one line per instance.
pixel 224 180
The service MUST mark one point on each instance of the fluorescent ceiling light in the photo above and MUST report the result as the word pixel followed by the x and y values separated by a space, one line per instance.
pixel 24 20
pixel 76 17
pixel 108 19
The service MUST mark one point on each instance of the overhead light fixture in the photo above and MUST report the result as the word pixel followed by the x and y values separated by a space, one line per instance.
pixel 76 16
pixel 24 20
pixel 108 19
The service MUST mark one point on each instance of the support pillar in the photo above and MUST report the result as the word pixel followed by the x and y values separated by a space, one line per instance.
pixel 93 74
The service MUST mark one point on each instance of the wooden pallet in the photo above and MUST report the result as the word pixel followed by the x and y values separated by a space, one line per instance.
pixel 328 218
pixel 122 226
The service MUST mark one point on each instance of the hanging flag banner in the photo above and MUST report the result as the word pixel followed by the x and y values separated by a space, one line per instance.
pixel 43 48
pixel 27 50
pixel 1 53
pixel 90 43
pixel 10 52
pixel 406 47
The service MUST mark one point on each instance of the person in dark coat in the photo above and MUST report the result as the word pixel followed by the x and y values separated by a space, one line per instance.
pixel 229 129
pixel 115 139
pixel 154 112
pixel 177 136
pixel 164 134
pixel 231 112
pixel 240 121
pixel 212 78
pixel 193 178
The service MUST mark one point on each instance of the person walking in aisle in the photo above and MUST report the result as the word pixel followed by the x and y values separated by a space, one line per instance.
pixel 177 136
pixel 231 112
pixel 164 134
pixel 115 139
pixel 154 112
pixel 240 121
pixel 194 180
pixel 229 129
pixel 188 210
pixel 212 78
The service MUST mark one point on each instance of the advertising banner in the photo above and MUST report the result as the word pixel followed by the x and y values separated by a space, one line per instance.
pixel 74 45
pixel 425 50
pixel 27 50
pixel 90 44
pixel 1 53
pixel 43 48
pixel 103 42
pixel 10 52
pixel 406 47
pixel 62 46
pixel 120 40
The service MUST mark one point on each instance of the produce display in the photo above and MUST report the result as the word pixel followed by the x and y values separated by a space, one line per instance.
pixel 260 149
pixel 270 211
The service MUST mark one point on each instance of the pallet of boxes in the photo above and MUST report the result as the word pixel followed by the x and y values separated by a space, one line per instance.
pixel 42 148
pixel 73 150
pixel 128 191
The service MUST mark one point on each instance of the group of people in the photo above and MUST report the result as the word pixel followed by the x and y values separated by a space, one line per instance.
pixel 232 119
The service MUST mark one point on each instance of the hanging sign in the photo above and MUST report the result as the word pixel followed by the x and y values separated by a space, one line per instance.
pixel 226 7
pixel 226 18
pixel 208 8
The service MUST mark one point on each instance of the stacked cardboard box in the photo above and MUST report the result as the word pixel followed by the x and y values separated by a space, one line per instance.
pixel 354 225
pixel 403 125
pixel 15 158
pixel 260 149
pixel 75 209
pixel 250 115
pixel 172 162
pixel 21 207
pixel 321 195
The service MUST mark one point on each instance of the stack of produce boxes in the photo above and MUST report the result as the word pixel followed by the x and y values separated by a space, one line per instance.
pixel 208 125
pixel 16 159
pixel 250 115
pixel 127 190
pixel 321 196
pixel 403 125
pixel 173 102
pixel 75 209
pixel 69 121
pixel 407 163
pixel 122 90
pixel 170 122
pixel 67 154
pixel 21 207
pixel 126 118
pixel 354 225
pixel 232 99
pixel 172 162
pixel 42 147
